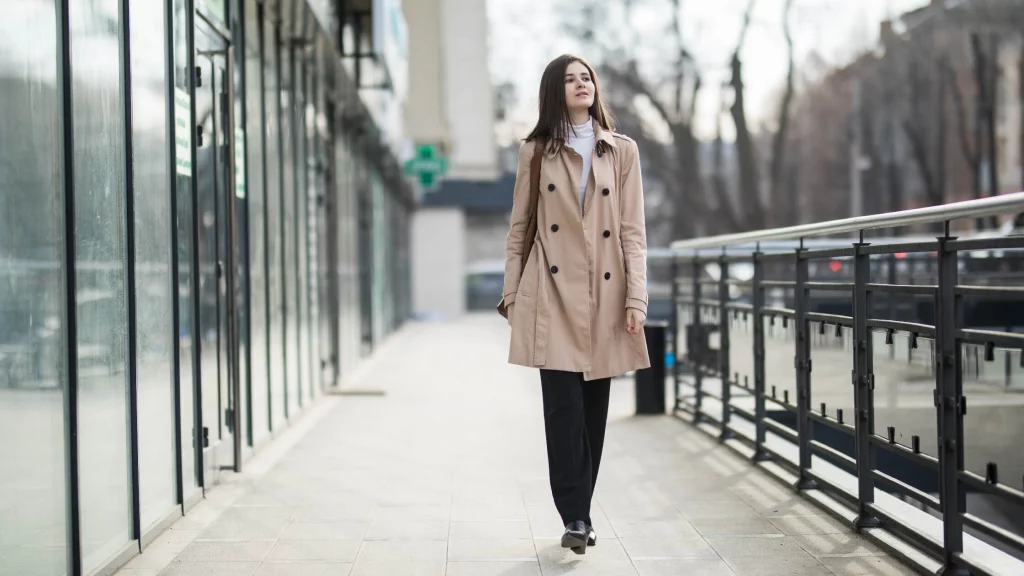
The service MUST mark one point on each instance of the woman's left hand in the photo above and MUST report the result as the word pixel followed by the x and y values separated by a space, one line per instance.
pixel 634 320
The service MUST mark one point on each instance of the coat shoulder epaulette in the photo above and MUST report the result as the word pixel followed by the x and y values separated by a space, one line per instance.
pixel 623 137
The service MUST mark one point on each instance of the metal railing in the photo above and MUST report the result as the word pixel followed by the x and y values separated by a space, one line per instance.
pixel 938 309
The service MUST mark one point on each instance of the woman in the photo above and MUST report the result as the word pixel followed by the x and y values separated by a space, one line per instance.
pixel 578 302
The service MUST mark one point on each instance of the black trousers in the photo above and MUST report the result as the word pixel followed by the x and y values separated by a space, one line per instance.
pixel 575 417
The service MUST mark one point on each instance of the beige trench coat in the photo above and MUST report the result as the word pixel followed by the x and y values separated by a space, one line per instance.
pixel 587 266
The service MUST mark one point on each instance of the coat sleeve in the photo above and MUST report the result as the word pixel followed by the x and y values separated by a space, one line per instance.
pixel 633 231
pixel 517 227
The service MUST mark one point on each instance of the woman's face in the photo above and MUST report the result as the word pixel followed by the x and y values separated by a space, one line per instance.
pixel 579 87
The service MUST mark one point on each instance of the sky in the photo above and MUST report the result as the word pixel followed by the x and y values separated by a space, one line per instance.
pixel 526 34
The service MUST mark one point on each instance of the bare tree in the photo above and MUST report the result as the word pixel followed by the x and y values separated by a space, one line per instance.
pixel 782 129
pixel 676 164
pixel 750 197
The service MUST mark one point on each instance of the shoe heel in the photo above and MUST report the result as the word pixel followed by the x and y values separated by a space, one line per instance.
pixel 579 549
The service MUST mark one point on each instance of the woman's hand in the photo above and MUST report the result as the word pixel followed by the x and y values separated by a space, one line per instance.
pixel 634 320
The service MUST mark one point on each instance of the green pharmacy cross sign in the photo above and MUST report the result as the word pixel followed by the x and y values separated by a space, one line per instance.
pixel 427 166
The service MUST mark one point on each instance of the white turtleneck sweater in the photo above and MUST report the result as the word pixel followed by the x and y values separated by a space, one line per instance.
pixel 582 140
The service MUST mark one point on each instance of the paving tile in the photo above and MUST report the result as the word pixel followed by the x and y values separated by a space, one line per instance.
pixel 500 529
pixel 735 526
pixel 585 566
pixel 837 545
pixel 778 566
pixel 346 513
pixel 717 510
pixel 399 567
pixel 482 512
pixel 249 523
pixel 152 559
pixel 491 549
pixel 866 565
pixel 304 569
pixel 680 566
pixel 738 546
pixel 395 550
pixel 821 524
pixel 550 551
pixel 211 569
pixel 413 529
pixel 319 550
pixel 672 547
pixel 493 569
pixel 226 551
pixel 325 530
pixel 654 528
pixel 413 513
pixel 138 572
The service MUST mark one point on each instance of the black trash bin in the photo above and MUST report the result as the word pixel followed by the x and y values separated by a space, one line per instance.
pixel 650 382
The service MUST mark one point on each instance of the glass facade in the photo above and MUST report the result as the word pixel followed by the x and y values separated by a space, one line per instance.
pixel 99 244
pixel 154 343
pixel 33 375
pixel 195 241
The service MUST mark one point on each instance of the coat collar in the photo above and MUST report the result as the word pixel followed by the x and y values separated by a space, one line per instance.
pixel 600 134
pixel 603 135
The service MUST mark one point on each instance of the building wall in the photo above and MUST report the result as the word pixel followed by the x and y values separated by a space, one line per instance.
pixel 485 236
pixel 1009 129
pixel 438 261
pixel 467 89
pixel 425 112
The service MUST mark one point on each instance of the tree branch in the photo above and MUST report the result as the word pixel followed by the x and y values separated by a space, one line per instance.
pixel 919 150
pixel 779 139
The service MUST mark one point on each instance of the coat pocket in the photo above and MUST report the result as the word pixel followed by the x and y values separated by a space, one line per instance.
pixel 528 283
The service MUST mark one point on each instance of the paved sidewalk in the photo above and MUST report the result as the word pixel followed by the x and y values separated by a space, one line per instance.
pixel 447 475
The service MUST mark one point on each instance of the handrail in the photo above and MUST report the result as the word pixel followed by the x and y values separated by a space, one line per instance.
pixel 1013 202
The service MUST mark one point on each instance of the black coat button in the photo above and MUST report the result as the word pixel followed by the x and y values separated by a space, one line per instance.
pixel 554 269
pixel 599 152
pixel 606 191
pixel 551 187
pixel 607 275
pixel 607 233
pixel 554 227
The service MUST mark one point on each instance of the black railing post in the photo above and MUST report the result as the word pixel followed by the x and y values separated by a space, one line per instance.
pixel 674 328
pixel 760 454
pixel 863 383
pixel 723 344
pixel 950 406
pixel 802 363
pixel 697 350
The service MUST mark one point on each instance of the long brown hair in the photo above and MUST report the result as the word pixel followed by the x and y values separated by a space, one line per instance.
pixel 553 119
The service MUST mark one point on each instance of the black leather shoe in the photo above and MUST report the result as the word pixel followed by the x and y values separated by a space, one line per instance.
pixel 575 536
pixel 591 537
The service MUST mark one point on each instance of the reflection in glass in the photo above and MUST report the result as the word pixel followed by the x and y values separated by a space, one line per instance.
pixel 291 261
pixel 256 197
pixel 274 248
pixel 32 376
pixel 184 227
pixel 99 249
pixel 303 163
pixel 152 263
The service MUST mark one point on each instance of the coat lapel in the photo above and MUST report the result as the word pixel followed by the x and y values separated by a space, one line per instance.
pixel 602 170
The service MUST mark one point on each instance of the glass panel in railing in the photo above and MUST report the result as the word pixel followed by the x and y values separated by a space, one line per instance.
pixel 993 385
pixel 831 367
pixel 903 397
pixel 780 373
pixel 741 360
